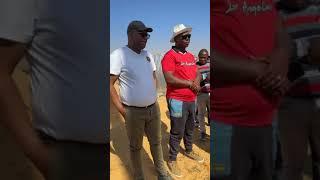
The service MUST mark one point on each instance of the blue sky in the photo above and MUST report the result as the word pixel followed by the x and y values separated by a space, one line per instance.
pixel 161 15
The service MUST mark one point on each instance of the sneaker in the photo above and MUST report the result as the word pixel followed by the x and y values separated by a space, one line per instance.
pixel 194 156
pixel 175 170
pixel 203 137
pixel 164 177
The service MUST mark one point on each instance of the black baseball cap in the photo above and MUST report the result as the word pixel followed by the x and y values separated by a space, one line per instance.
pixel 138 26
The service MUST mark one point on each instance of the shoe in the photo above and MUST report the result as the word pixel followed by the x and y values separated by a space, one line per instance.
pixel 194 156
pixel 165 177
pixel 197 125
pixel 173 167
pixel 203 137
pixel 138 178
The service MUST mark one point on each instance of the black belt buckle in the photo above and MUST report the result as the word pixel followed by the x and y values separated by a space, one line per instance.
pixel 143 107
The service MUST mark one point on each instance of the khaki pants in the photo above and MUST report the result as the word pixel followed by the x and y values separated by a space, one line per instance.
pixel 139 121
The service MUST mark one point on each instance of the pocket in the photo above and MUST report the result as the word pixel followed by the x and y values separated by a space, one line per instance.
pixel 175 108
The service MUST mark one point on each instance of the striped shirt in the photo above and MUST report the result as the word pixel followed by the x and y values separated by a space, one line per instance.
pixel 302 26
pixel 205 74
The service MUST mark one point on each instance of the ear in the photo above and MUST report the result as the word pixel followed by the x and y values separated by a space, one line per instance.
pixel 175 39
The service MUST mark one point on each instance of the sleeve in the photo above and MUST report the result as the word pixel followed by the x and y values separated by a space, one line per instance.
pixel 168 63
pixel 115 62
pixel 17 20
pixel 153 64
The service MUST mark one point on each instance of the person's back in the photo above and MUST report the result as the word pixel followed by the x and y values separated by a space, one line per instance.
pixel 68 70
pixel 66 45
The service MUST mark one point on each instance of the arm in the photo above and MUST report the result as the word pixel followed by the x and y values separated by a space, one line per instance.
pixel 155 79
pixel 228 69
pixel 114 95
pixel 12 109
pixel 314 53
pixel 198 78
pixel 177 82
pixel 196 84
pixel 274 80
pixel 280 55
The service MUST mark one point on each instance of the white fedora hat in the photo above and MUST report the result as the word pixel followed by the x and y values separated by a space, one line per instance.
pixel 178 29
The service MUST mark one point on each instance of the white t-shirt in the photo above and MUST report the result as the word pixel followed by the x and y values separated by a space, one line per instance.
pixel 137 85
pixel 67 42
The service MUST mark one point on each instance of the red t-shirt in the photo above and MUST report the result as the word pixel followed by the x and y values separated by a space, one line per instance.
pixel 183 66
pixel 246 29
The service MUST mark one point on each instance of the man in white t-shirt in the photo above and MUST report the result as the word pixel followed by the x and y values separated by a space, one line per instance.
pixel 68 67
pixel 135 70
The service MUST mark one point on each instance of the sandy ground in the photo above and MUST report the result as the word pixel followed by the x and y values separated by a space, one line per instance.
pixel 120 168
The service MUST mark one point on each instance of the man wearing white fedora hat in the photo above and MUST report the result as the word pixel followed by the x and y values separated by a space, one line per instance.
pixel 183 84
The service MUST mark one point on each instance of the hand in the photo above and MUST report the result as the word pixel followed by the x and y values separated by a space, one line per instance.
pixel 279 63
pixel 275 85
pixel 122 111
pixel 283 89
pixel 273 80
pixel 195 86
pixel 43 158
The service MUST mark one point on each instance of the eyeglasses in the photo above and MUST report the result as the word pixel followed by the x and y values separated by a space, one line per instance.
pixel 144 35
pixel 187 36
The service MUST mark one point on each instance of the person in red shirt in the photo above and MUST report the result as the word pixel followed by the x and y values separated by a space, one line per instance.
pixel 249 75
pixel 183 83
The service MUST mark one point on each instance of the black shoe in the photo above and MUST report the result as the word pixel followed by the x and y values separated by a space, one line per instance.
pixel 203 137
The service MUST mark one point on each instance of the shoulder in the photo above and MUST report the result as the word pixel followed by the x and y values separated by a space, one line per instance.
pixel 169 54
pixel 119 52
pixel 117 55
pixel 147 53
pixel 191 56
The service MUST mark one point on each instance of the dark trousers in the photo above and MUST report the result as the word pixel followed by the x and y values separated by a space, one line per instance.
pixel 76 160
pixel 182 116
pixel 241 153
pixel 299 125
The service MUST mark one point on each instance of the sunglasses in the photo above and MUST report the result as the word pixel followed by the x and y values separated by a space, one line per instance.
pixel 187 36
pixel 144 35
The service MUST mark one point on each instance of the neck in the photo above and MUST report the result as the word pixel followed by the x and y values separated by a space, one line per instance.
pixel 133 48
pixel 181 49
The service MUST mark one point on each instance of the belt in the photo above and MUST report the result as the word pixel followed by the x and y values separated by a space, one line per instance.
pixel 143 107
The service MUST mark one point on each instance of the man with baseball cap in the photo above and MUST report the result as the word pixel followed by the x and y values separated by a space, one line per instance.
pixel 135 70
pixel 183 84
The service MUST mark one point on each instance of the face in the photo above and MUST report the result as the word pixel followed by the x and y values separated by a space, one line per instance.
pixel 183 40
pixel 203 57
pixel 139 39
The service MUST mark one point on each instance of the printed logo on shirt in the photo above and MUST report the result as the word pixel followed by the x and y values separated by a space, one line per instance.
pixel 148 59
pixel 187 63
pixel 249 9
